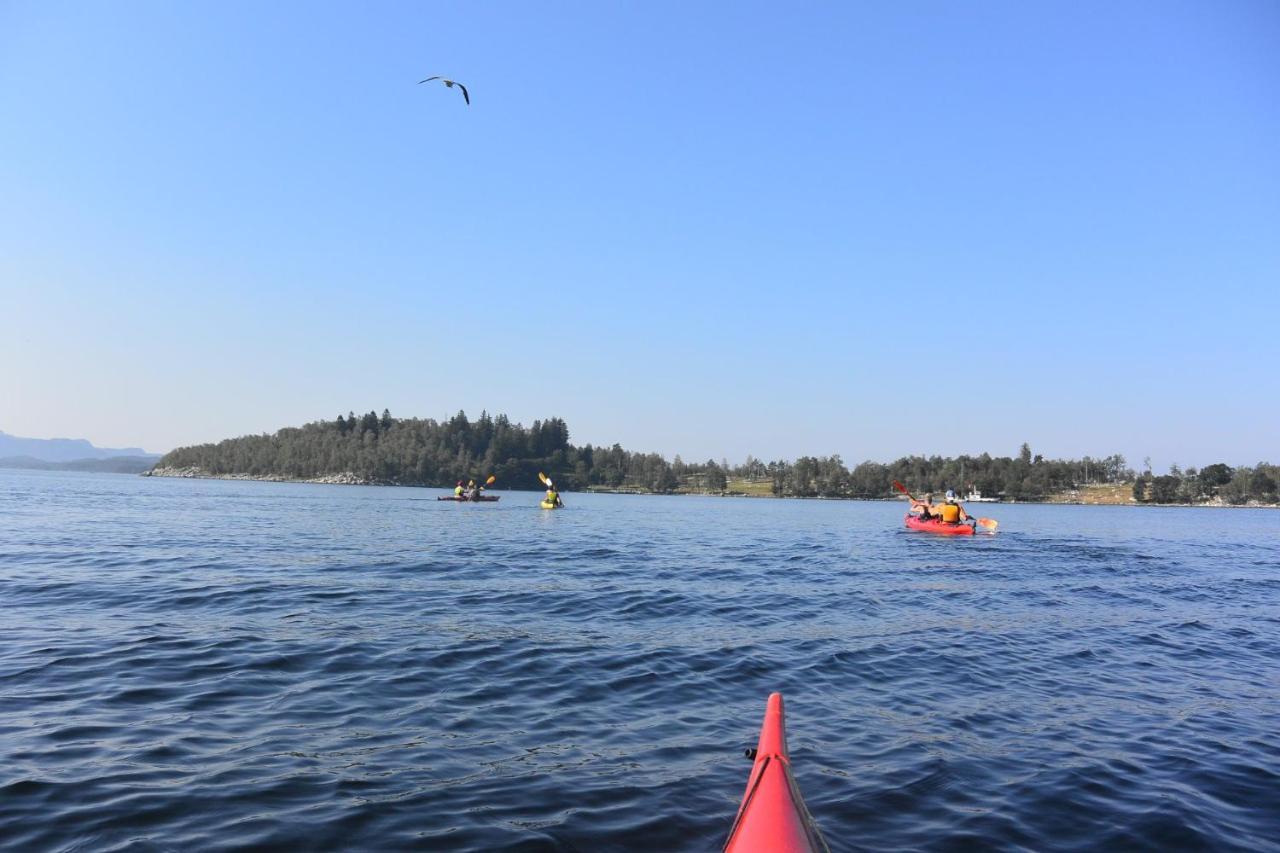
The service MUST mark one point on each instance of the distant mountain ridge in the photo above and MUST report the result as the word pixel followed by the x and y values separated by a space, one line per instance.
pixel 110 465
pixel 62 449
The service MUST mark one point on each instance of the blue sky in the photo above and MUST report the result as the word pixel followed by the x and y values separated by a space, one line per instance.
pixel 706 229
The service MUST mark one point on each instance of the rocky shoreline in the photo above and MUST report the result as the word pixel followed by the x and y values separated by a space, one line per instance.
pixel 193 473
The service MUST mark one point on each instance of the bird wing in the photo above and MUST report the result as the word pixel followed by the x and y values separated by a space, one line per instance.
pixel 466 96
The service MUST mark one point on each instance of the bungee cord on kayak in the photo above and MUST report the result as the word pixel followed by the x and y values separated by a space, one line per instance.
pixel 773 817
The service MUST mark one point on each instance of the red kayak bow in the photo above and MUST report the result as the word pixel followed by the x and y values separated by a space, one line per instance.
pixel 773 817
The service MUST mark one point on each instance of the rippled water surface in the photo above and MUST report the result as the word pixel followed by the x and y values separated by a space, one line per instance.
pixel 198 664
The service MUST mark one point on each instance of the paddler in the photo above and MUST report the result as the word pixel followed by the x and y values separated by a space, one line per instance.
pixel 472 493
pixel 925 506
pixel 457 490
pixel 951 511
pixel 553 496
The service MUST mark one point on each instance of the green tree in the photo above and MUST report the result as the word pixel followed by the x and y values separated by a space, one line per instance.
pixel 1213 477
pixel 716 479
pixel 1238 489
pixel 1164 489
pixel 1263 484
pixel 869 480
pixel 1140 489
pixel 779 477
pixel 1189 487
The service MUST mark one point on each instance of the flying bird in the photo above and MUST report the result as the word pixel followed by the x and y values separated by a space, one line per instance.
pixel 451 84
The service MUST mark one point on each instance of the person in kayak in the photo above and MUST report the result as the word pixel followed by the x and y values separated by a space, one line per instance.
pixel 457 490
pixel 925 507
pixel 952 512
pixel 553 496
pixel 472 492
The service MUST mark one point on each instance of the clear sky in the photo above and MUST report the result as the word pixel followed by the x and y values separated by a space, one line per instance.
pixel 695 228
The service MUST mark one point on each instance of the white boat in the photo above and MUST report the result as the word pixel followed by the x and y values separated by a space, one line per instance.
pixel 976 497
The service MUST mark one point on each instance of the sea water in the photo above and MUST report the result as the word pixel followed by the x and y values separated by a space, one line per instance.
pixel 199 664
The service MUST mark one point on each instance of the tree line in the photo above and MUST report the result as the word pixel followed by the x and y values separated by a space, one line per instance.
pixel 1217 482
pixel 427 452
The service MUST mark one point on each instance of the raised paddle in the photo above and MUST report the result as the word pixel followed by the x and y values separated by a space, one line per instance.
pixel 547 482
pixel 903 489
pixel 985 523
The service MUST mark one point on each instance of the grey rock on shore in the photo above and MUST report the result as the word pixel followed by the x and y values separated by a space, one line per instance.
pixel 345 478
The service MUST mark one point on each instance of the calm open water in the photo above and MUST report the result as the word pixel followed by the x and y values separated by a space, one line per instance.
pixel 202 664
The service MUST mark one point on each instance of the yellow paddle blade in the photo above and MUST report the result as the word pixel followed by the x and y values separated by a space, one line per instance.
pixel 989 523
pixel 542 478
pixel 492 477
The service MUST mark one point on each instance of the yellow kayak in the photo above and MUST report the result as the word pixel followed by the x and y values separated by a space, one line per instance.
pixel 548 505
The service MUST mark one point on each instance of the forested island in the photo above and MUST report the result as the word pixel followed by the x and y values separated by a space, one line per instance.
pixel 373 448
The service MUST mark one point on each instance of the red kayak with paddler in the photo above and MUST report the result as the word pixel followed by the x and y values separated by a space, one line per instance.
pixel 948 519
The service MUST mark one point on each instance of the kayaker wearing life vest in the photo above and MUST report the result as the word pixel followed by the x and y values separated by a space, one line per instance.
pixel 457 490
pixel 553 496
pixel 951 511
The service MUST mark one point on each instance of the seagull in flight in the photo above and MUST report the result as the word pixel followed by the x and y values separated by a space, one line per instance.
pixel 450 84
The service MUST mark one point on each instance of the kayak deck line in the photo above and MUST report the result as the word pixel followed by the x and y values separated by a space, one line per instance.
pixel 773 816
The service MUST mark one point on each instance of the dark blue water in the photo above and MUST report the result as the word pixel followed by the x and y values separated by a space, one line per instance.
pixel 202 664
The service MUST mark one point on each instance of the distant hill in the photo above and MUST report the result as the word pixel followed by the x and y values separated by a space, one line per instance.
pixel 110 465
pixel 62 449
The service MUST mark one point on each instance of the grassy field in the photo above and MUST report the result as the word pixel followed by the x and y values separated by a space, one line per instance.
pixel 754 488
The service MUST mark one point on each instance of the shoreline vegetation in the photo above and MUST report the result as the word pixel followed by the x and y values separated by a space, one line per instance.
pixel 1078 498
pixel 374 449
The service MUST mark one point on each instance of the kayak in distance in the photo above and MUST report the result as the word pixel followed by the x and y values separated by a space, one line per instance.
pixel 937 525
pixel 773 817
pixel 481 499
pixel 550 505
